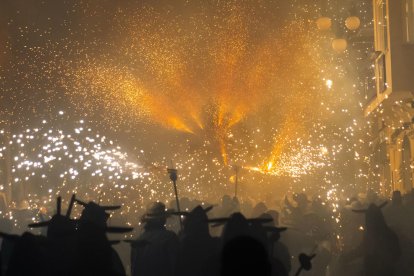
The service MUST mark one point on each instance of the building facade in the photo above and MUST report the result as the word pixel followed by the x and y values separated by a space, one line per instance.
pixel 391 109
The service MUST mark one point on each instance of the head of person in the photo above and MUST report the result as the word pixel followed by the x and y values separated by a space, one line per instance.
pixel 155 216
pixel 396 198
pixel 301 199
pixel 196 221
pixel 244 255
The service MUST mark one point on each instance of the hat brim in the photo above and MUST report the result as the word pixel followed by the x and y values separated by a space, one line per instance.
pixel 161 215
pixel 273 229
pixel 185 213
pixel 45 223
pixel 137 243
pixel 179 213
pixel 109 208
pixel 39 224
pixel 117 229
pixel 7 236
pixel 220 221
pixel 251 220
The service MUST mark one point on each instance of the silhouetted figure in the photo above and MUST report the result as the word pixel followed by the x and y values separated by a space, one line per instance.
pixel 371 197
pixel 409 206
pixel 198 250
pixel 294 213
pixel 7 243
pixel 27 257
pixel 228 206
pixel 60 249
pixel 396 213
pixel 259 209
pixel 155 251
pixel 235 226
pixel 246 206
pixel 398 219
pixel 277 249
pixel 95 255
pixel 352 224
pixel 268 236
pixel 318 234
pixel 51 255
pixel 380 247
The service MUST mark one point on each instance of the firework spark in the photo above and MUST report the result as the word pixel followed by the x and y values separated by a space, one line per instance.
pixel 238 82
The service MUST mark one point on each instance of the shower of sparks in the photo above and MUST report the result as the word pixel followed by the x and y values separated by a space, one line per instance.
pixel 209 84
pixel 304 161
pixel 54 162
pixel 201 72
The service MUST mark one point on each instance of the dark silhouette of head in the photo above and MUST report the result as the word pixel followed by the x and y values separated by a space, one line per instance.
pixel 245 255
pixel 259 209
pixel 374 219
pixel 270 227
pixel 196 221
pixel 58 226
pixel 61 227
pixel 95 215
pixel 372 196
pixel 301 199
pixel 237 225
pixel 274 215
pixel 258 232
pixel 156 216
pixel 226 200
pixel 396 198
pixel 26 256
pixel 94 219
pixel 236 201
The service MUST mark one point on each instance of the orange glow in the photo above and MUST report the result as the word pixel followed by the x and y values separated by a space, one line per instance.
pixel 213 84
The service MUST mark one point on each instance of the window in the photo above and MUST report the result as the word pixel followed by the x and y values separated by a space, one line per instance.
pixel 381 30
pixel 408 17
pixel 380 73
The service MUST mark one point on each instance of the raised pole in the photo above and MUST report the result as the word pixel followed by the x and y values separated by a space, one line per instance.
pixel 173 176
pixel 236 170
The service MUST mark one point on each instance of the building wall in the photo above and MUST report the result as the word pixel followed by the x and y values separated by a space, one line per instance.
pixel 392 107
pixel 392 49
pixel 402 54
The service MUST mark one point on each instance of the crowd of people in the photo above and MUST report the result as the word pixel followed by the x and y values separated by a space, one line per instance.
pixel 360 236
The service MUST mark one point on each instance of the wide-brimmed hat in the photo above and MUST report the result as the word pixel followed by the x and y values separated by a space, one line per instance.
pixel 103 207
pixel 301 197
pixel 270 226
pixel 96 215
pixel 59 224
pixel 236 218
pixel 371 207
pixel 196 219
pixel 7 236
pixel 157 211
pixel 197 211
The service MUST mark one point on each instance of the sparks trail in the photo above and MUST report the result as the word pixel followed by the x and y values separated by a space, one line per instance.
pixel 191 73
pixel 60 161
pixel 202 77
